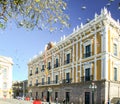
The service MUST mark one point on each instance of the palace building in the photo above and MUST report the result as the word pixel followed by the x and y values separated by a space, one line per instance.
pixel 82 68
pixel 6 64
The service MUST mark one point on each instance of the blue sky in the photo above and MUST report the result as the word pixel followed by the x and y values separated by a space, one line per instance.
pixel 21 44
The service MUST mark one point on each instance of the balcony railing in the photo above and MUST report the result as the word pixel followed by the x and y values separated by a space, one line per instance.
pixel 48 83
pixel 67 61
pixel 87 54
pixel 87 78
pixel 56 65
pixel 67 80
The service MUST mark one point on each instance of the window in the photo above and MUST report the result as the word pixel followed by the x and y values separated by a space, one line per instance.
pixel 4 85
pixel 87 74
pixel 42 81
pixel 57 62
pixel 115 74
pixel 56 95
pixel 67 77
pixel 42 95
pixel 56 79
pixel 36 94
pixel 87 51
pixel 67 97
pixel 36 72
pixel 30 72
pixel 4 73
pixel 30 83
pixel 48 80
pixel 115 49
pixel 42 68
pixel 49 67
pixel 68 58
pixel 36 82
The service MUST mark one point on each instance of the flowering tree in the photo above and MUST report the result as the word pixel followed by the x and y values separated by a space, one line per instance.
pixel 34 13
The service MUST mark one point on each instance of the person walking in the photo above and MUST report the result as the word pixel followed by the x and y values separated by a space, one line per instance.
pixel 37 101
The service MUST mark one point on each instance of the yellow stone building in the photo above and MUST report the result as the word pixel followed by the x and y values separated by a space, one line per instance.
pixel 5 77
pixel 82 68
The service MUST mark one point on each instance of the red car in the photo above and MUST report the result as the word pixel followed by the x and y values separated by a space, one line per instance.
pixel 37 102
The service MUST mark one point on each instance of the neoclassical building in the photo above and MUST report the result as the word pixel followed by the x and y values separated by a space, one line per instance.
pixel 83 68
pixel 6 64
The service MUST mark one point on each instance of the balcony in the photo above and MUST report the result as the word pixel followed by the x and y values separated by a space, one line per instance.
pixel 87 78
pixel 30 74
pixel 67 61
pixel 87 54
pixel 36 72
pixel 48 83
pixel 56 65
pixel 64 81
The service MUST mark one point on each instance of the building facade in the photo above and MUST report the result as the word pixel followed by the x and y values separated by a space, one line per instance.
pixel 82 68
pixel 5 77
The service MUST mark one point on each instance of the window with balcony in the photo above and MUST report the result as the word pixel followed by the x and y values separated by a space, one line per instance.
pixel 115 74
pixel 115 49
pixel 4 73
pixel 68 58
pixel 87 51
pixel 30 83
pixel 30 72
pixel 56 65
pixel 67 77
pixel 4 85
pixel 87 74
pixel 48 80
pixel 42 81
pixel 43 68
pixel 36 72
pixel 49 67
pixel 36 82
pixel 56 79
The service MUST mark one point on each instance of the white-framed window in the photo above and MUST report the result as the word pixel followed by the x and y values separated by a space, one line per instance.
pixel 68 57
pixel 30 83
pixel 115 73
pixel 115 49
pixel 36 72
pixel 30 72
pixel 87 71
pixel 42 81
pixel 87 48
pixel 48 80
pixel 4 85
pixel 4 73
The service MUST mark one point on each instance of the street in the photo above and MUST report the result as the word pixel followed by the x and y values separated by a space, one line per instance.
pixel 14 101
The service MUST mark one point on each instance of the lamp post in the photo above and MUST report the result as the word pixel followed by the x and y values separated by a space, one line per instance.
pixel 93 87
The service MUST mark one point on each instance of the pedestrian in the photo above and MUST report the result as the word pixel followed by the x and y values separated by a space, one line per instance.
pixel 64 101
pixel 56 100
pixel 37 101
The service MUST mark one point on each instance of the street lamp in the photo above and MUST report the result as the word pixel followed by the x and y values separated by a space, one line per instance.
pixel 93 87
